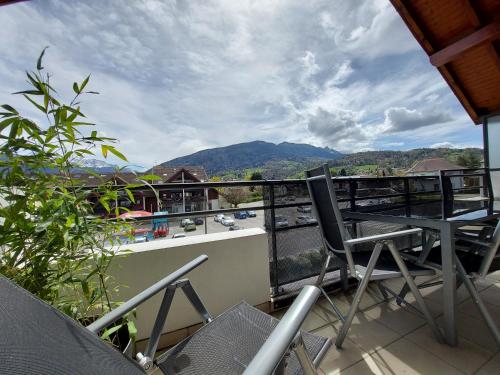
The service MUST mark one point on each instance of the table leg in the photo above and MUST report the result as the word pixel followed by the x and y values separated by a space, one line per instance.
pixel 449 282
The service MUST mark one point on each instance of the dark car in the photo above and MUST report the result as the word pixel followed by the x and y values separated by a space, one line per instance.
pixel 304 209
pixel 198 220
pixel 240 215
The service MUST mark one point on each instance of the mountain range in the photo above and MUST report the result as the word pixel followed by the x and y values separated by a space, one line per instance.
pixel 252 155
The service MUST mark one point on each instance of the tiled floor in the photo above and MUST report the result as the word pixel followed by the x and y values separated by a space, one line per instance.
pixel 387 339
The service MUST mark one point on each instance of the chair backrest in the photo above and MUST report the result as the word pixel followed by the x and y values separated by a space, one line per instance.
pixel 325 205
pixel 38 339
pixel 491 253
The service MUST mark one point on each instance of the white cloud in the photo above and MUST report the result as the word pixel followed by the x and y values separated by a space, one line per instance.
pixel 400 119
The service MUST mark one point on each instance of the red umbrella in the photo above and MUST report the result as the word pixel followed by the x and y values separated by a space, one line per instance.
pixel 132 214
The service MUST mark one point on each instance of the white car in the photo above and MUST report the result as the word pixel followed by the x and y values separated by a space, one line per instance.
pixel 218 218
pixel 179 235
pixel 304 219
pixel 227 221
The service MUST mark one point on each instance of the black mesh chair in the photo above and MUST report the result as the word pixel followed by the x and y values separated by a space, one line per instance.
pixel 376 265
pixel 35 338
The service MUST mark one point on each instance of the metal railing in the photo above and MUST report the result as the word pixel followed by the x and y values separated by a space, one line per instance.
pixel 295 249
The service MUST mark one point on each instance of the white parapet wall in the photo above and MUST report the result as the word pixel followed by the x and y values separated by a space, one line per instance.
pixel 237 269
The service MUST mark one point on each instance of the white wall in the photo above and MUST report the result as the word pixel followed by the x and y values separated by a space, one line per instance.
pixel 237 269
pixel 494 153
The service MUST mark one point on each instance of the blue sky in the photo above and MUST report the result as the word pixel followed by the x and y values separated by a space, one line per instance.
pixel 176 77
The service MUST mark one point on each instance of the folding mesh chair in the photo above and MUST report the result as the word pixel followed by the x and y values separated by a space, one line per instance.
pixel 377 265
pixel 38 339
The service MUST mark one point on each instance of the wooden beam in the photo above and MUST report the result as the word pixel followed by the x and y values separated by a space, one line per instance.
pixel 483 35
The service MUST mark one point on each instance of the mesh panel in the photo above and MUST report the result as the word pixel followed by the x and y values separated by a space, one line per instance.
pixel 38 339
pixel 228 343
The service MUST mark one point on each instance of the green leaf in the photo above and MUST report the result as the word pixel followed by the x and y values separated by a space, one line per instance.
pixel 130 195
pixel 110 331
pixel 35 104
pixel 84 83
pixel 29 92
pixel 117 153
pixel 10 109
pixel 132 330
pixel 39 62
pixel 75 88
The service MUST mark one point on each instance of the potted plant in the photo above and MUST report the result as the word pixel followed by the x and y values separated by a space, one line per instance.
pixel 51 241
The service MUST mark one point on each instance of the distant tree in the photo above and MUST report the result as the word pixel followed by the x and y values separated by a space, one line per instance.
pixel 469 160
pixel 234 195
pixel 255 176
pixel 342 172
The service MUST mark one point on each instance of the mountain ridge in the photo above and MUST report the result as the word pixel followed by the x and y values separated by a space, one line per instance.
pixel 252 155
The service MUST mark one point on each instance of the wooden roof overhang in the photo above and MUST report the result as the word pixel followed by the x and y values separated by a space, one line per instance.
pixel 462 39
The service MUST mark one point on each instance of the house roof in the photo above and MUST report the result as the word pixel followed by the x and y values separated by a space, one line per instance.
pixel 169 174
pixel 462 39
pixel 432 165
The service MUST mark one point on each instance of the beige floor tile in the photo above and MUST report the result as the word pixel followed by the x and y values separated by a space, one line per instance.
pixel 474 330
pixel 435 308
pixel 494 276
pixel 366 366
pixel 469 308
pixel 405 357
pixel 367 333
pixel 395 317
pixel 335 359
pixel 491 295
pixel 492 367
pixel 467 356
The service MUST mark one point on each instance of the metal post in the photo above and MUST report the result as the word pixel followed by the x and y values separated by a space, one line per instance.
pixel 160 321
pixel 206 209
pixel 449 282
pixel 274 249
pixel 352 194
pixel 195 300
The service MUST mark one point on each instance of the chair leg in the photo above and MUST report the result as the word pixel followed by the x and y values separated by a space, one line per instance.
pixel 476 298
pixel 382 290
pixel 359 293
pixel 414 289
pixel 322 273
pixel 402 294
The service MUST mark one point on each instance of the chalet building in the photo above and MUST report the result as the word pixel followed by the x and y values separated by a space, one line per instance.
pixel 431 167
pixel 171 200
pixel 181 200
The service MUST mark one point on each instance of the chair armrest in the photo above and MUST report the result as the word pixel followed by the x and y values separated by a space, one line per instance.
pixel 277 344
pixel 382 237
pixel 135 301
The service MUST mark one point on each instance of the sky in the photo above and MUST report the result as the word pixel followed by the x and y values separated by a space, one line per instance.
pixel 176 77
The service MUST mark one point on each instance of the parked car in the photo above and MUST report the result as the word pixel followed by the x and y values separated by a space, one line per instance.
pixel 178 235
pixel 184 222
pixel 189 226
pixel 218 218
pixel 198 221
pixel 281 222
pixel 235 227
pixel 304 209
pixel 240 215
pixel 304 219
pixel 251 214
pixel 227 221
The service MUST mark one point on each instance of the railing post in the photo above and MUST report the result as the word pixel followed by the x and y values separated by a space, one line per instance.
pixel 274 249
pixel 352 194
pixel 406 183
